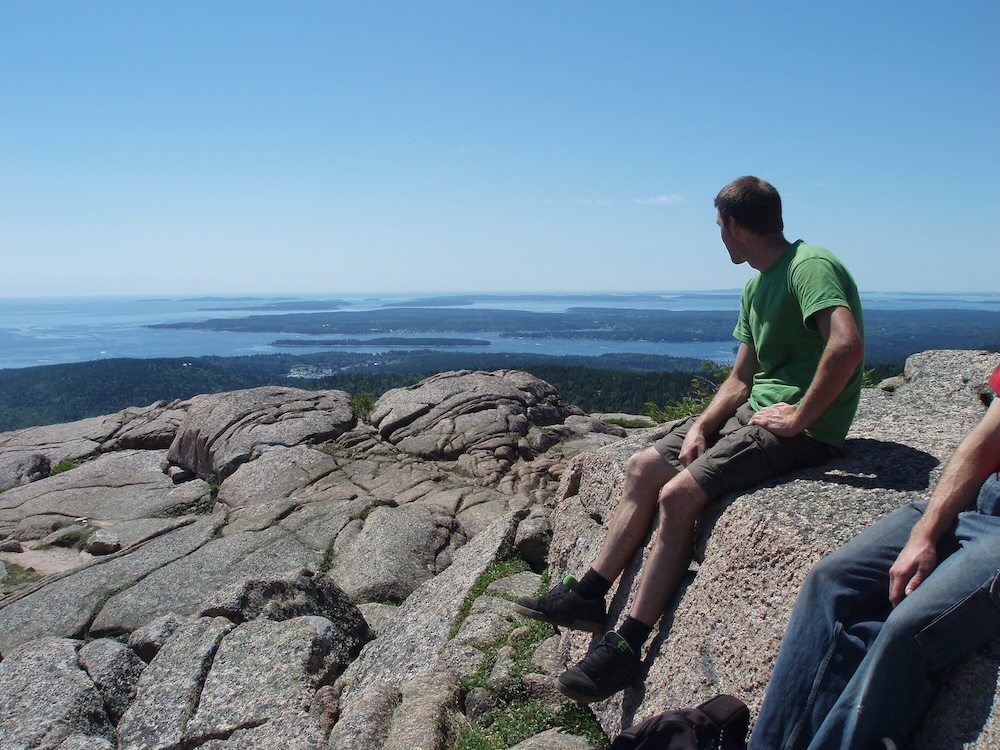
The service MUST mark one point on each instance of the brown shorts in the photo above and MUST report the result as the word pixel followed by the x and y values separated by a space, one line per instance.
pixel 741 455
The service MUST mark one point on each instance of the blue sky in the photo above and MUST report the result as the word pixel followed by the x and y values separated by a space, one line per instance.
pixel 312 147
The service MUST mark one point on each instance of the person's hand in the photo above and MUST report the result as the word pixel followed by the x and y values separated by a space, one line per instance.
pixel 915 562
pixel 778 419
pixel 693 446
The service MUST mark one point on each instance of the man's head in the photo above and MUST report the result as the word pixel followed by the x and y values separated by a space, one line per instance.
pixel 754 204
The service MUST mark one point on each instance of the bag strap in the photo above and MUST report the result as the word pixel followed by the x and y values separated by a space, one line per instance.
pixel 733 718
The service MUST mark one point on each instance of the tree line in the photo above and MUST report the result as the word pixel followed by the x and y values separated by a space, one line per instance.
pixel 53 394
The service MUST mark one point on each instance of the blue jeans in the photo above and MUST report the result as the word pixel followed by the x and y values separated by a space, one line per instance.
pixel 851 669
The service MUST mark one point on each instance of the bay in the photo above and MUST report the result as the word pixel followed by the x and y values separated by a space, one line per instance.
pixel 43 331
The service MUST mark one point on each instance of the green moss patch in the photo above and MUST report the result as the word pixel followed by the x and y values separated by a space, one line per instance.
pixel 517 716
pixel 19 576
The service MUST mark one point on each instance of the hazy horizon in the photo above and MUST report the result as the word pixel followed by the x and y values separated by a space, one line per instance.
pixel 444 294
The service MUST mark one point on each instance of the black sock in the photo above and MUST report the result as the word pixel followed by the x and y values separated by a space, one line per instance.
pixel 635 634
pixel 593 585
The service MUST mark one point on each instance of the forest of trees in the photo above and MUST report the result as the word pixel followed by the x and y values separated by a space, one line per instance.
pixel 62 393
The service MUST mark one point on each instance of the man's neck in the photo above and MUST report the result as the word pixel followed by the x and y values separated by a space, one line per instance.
pixel 767 251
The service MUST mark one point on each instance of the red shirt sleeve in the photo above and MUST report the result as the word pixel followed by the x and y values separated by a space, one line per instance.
pixel 995 381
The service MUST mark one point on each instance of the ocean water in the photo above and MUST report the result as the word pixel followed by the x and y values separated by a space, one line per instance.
pixel 43 331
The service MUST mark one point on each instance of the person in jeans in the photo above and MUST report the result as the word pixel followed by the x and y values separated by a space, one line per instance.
pixel 879 616
pixel 788 404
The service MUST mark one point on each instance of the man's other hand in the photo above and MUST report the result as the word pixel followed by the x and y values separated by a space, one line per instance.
pixel 779 419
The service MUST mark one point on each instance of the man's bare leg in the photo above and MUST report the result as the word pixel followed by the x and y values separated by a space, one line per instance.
pixel 682 501
pixel 646 474
pixel 581 605
pixel 612 664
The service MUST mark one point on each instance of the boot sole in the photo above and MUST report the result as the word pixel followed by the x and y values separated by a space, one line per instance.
pixel 579 697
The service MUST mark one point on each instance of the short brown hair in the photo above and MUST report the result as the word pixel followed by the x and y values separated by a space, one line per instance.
pixel 754 203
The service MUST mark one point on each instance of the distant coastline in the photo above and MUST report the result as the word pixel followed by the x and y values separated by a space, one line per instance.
pixel 694 324
pixel 395 341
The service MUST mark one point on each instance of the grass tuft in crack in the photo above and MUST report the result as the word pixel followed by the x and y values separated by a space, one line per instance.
pixel 517 716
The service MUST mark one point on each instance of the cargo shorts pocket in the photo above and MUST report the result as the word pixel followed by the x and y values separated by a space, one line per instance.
pixel 963 627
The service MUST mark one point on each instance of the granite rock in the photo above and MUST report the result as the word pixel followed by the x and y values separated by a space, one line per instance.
pixel 450 478
pixel 222 431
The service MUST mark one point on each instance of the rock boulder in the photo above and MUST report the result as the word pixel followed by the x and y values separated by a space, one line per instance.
pixel 222 431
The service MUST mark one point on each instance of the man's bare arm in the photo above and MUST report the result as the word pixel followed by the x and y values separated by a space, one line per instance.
pixel 843 352
pixel 733 392
pixel 976 458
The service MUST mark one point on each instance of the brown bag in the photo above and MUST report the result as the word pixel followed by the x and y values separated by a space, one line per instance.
pixel 717 724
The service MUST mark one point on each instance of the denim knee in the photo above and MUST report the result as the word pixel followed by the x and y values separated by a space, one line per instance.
pixel 823 576
pixel 821 585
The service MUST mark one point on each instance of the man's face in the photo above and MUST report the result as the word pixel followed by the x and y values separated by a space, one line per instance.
pixel 735 255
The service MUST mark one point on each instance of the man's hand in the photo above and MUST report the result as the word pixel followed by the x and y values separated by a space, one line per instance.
pixel 915 562
pixel 956 490
pixel 693 446
pixel 779 419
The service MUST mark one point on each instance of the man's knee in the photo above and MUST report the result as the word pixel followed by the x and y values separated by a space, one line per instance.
pixel 649 467
pixel 641 461
pixel 823 579
pixel 682 500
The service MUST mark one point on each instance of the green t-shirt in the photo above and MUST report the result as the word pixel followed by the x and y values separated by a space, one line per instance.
pixel 775 320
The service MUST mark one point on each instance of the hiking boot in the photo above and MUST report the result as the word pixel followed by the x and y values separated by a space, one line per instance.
pixel 562 606
pixel 604 671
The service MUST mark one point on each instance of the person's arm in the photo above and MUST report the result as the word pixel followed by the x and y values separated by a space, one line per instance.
pixel 976 458
pixel 843 352
pixel 732 393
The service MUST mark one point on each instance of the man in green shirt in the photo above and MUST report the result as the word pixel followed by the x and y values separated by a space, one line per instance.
pixel 787 404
